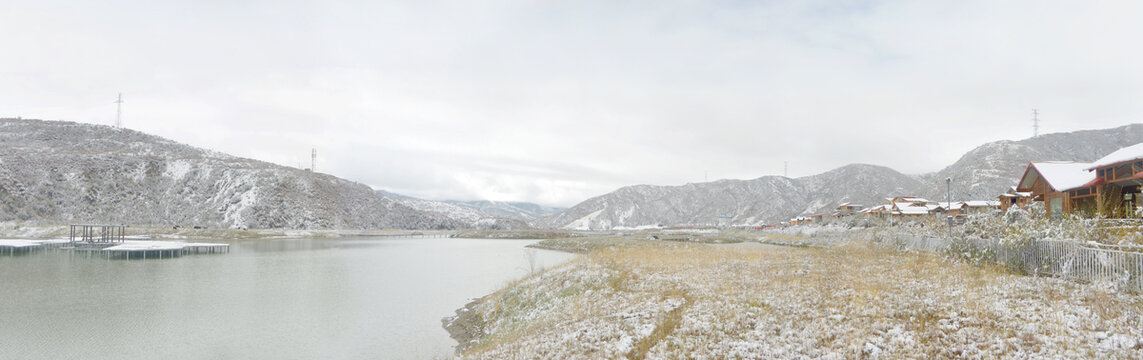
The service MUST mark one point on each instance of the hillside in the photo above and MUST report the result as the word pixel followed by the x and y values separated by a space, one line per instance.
pixel 524 211
pixel 991 168
pixel 981 174
pixel 64 172
pixel 763 200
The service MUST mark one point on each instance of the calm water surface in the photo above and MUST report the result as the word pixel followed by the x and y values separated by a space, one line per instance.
pixel 267 299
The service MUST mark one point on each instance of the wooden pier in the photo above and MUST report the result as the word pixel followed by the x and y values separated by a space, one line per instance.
pixel 162 249
pixel 109 241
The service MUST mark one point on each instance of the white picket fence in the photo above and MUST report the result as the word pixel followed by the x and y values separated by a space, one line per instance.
pixel 1061 258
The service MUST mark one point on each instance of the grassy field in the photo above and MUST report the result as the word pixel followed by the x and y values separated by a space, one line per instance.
pixel 855 300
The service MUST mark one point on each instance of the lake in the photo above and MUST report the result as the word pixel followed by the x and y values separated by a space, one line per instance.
pixel 360 298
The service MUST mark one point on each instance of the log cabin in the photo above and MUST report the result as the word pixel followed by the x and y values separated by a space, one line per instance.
pixel 1053 183
pixel 1116 182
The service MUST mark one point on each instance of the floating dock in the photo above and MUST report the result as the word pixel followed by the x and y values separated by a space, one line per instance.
pixel 134 249
pixel 20 247
pixel 127 249
pixel 108 241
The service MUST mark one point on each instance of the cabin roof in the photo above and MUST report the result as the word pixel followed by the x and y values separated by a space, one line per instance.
pixel 1130 153
pixel 954 206
pixel 1060 175
pixel 907 208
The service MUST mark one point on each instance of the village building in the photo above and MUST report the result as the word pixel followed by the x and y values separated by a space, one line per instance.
pixel 955 208
pixel 848 209
pixel 971 207
pixel 1013 198
pixel 909 209
pixel 1053 181
pixel 881 211
pixel 1116 182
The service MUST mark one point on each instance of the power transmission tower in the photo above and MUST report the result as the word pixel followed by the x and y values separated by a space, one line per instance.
pixel 786 169
pixel 119 111
pixel 1035 123
pixel 313 160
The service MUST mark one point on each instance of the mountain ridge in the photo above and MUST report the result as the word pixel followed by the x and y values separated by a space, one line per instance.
pixel 58 171
pixel 989 169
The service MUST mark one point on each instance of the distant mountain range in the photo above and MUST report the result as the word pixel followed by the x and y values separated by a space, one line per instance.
pixel 981 174
pixel 522 211
pixel 757 201
pixel 65 172
pixel 513 210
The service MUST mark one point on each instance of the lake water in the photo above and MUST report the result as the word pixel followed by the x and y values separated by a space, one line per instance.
pixel 368 298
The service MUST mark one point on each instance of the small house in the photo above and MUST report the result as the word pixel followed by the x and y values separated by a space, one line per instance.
pixel 1052 182
pixel 1013 198
pixel 1115 183
pixel 847 209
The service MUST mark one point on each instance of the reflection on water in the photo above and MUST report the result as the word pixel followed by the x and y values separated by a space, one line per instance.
pixel 282 245
pixel 271 299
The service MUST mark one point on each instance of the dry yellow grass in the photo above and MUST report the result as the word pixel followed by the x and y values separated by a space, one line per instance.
pixel 852 301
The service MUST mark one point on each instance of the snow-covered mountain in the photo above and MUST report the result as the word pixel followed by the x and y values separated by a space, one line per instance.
pixel 763 200
pixel 981 174
pixel 991 168
pixel 513 210
pixel 66 172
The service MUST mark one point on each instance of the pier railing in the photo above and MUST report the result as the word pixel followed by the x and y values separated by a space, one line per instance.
pixel 97 234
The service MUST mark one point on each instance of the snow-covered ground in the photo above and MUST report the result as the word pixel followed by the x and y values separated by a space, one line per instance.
pixel 853 300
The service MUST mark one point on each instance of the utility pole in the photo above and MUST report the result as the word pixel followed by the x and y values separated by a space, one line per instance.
pixel 119 111
pixel 313 160
pixel 948 206
pixel 1035 122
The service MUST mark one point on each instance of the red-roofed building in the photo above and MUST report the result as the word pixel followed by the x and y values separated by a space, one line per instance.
pixel 1116 182
pixel 1059 185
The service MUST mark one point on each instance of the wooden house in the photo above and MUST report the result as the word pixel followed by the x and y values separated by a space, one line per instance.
pixel 979 206
pixel 1053 183
pixel 1116 182
pixel 1013 198
pixel 881 211
pixel 847 209
pixel 909 209
pixel 944 208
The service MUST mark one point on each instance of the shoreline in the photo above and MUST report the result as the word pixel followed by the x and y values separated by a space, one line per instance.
pixel 853 299
pixel 16 230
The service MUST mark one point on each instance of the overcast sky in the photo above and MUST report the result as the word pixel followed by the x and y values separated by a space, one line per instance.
pixel 557 101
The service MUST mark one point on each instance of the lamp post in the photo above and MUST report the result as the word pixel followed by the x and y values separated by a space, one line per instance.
pixel 948 186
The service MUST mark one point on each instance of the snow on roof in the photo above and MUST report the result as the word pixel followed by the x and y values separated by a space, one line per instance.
pixel 954 206
pixel 911 209
pixel 1133 152
pixel 980 203
pixel 1060 175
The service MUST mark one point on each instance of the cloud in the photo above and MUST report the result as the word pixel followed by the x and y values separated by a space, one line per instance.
pixel 556 102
